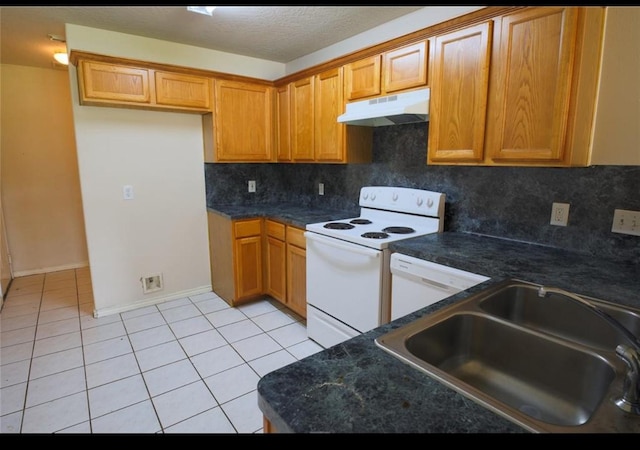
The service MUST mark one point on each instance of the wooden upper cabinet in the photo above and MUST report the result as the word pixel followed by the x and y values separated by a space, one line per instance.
pixel 405 68
pixel 242 122
pixel 113 83
pixel 103 83
pixel 302 119
pixel 534 74
pixel 362 78
pixel 283 123
pixel 328 105
pixel 542 65
pixel 315 133
pixel 392 71
pixel 459 89
pixel 183 90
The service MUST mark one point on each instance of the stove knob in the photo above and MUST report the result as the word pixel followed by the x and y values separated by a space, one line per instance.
pixel 373 197
pixel 365 195
pixel 395 196
pixel 419 201
pixel 429 202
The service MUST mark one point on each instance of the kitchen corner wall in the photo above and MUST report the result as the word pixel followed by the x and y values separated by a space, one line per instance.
pixel 508 202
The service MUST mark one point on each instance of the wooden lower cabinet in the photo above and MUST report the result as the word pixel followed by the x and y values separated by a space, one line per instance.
pixel 235 251
pixel 286 269
pixel 253 257
pixel 296 271
pixel 276 261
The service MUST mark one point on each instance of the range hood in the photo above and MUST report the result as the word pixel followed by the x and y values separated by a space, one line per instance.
pixel 397 109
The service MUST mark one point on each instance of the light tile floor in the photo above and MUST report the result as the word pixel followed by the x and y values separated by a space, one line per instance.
pixel 184 366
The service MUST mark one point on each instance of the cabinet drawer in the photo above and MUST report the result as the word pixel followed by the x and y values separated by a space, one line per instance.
pixel 275 229
pixel 295 236
pixel 247 228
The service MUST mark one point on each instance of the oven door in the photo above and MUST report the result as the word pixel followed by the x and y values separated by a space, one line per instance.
pixel 345 281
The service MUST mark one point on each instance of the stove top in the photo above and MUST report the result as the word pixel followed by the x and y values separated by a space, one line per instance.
pixel 387 214
pixel 375 233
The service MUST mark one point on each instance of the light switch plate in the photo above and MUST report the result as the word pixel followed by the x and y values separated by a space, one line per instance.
pixel 626 222
pixel 127 192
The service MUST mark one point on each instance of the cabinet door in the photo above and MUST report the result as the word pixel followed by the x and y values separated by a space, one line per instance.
pixel 459 89
pixel 283 133
pixel 362 78
pixel 103 81
pixel 242 121
pixel 297 279
pixel 328 105
pixel 302 120
pixel 248 261
pixel 405 68
pixel 276 269
pixel 530 103
pixel 276 281
pixel 183 90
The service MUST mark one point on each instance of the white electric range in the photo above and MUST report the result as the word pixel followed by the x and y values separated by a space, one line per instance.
pixel 348 274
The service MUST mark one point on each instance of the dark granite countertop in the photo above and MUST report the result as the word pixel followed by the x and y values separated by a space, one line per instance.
pixel 356 387
pixel 290 214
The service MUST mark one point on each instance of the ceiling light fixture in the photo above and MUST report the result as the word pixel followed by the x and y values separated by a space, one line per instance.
pixel 207 10
pixel 61 57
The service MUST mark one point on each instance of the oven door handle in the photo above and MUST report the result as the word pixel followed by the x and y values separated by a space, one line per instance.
pixel 337 244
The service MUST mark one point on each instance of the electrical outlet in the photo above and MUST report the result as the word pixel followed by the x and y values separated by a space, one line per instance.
pixel 320 188
pixel 252 185
pixel 626 222
pixel 560 214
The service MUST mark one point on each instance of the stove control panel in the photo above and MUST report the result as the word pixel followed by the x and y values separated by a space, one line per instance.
pixel 400 199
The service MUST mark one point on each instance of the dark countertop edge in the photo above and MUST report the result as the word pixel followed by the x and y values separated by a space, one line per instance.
pixel 295 215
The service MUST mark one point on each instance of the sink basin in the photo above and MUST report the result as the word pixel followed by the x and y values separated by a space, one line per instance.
pixel 558 315
pixel 540 382
pixel 547 364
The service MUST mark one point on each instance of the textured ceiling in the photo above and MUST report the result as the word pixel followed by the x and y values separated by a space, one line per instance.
pixel 275 33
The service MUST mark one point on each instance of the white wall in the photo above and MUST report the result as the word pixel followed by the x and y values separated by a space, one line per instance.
pixel 146 49
pixel 617 125
pixel 163 229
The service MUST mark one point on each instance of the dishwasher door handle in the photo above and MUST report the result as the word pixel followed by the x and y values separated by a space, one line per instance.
pixel 443 286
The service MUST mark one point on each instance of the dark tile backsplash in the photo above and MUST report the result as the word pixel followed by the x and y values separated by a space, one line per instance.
pixel 508 202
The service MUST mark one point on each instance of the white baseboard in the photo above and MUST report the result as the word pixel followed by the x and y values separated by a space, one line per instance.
pixel 24 273
pixel 102 312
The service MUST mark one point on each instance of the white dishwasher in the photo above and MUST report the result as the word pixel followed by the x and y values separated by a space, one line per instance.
pixel 416 283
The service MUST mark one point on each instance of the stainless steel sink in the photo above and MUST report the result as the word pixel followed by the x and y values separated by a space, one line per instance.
pixel 547 364
pixel 559 315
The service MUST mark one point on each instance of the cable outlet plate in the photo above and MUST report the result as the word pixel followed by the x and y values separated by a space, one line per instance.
pixel 560 214
pixel 626 222
pixel 252 185
pixel 320 188
pixel 151 283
